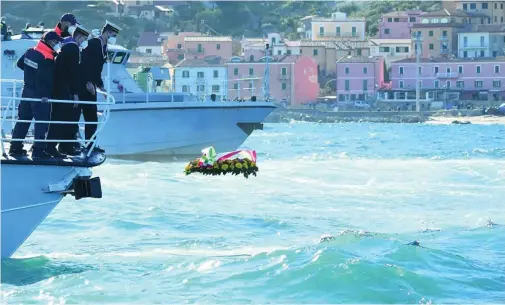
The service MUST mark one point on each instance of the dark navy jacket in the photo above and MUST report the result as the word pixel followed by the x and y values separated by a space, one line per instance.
pixel 93 58
pixel 38 66
pixel 66 65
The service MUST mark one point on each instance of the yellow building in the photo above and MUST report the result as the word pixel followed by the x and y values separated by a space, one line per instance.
pixel 338 27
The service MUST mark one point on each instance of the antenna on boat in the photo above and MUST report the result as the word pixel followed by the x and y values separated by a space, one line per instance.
pixel 266 78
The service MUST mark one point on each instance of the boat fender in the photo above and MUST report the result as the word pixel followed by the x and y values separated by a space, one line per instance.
pixel 86 187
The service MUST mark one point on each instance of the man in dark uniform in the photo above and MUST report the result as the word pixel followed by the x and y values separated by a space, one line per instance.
pixel 93 58
pixel 66 26
pixel 66 87
pixel 38 66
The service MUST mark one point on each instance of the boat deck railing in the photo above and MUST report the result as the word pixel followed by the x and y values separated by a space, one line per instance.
pixel 9 114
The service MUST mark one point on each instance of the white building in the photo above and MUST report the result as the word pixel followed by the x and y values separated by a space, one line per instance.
pixel 337 27
pixel 287 47
pixel 202 77
pixel 391 49
pixel 484 41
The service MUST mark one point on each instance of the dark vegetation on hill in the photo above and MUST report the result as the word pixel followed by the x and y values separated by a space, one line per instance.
pixel 249 18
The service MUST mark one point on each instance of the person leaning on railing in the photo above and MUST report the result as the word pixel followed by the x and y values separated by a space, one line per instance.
pixel 93 58
pixel 66 87
pixel 38 66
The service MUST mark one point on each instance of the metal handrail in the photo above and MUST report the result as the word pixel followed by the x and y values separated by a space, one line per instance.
pixel 11 106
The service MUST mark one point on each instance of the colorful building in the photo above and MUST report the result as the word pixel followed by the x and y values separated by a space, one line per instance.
pixel 449 79
pixel 483 41
pixel 391 49
pixel 202 77
pixel 201 46
pixel 437 39
pixel 359 78
pixel 173 46
pixel 397 25
pixel 338 27
pixel 495 10
pixel 292 79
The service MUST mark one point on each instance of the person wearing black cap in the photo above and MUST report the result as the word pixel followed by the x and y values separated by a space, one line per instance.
pixel 66 26
pixel 66 87
pixel 38 66
pixel 93 58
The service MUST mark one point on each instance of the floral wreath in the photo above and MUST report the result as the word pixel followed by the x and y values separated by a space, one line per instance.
pixel 234 163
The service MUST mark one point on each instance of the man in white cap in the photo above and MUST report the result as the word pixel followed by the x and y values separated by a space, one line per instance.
pixel 93 58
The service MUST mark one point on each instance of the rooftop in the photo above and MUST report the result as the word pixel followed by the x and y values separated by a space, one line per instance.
pixel 209 61
pixel 488 28
pixel 378 41
pixel 292 43
pixel 439 25
pixel 450 60
pixel 208 38
pixel 358 59
pixel 271 59
pixel 149 39
pixel 403 13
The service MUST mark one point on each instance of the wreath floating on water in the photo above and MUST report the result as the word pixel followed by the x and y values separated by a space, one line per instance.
pixel 240 162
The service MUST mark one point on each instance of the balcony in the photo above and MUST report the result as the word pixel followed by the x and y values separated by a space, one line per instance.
pixel 448 75
pixel 195 51
pixel 284 77
pixel 443 38
pixel 339 34
pixel 474 46
pixel 444 51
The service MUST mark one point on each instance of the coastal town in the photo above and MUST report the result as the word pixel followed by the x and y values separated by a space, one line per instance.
pixel 452 57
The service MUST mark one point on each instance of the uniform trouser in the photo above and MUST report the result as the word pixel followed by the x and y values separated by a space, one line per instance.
pixel 28 111
pixel 67 113
pixel 90 114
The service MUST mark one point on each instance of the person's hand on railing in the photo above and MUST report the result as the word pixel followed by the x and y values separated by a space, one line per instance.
pixel 44 99
pixel 90 88
pixel 103 92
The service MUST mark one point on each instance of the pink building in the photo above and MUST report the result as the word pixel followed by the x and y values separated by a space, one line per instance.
pixel 359 78
pixel 201 46
pixel 397 25
pixel 450 79
pixel 173 46
pixel 293 79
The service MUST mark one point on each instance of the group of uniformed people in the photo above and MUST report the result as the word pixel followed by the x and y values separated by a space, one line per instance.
pixel 66 64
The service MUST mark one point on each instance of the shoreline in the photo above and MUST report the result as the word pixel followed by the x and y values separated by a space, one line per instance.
pixel 283 115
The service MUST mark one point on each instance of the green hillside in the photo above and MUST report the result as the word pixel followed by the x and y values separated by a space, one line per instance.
pixel 251 18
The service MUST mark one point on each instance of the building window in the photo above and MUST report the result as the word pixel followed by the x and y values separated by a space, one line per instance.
pixel 495 6
pixel 496 83
pixel 218 46
pixel 444 33
pixel 419 70
pixel 390 19
pixel 495 19
pixel 358 52
pixel 430 33
pixel 448 70
pixel 401 84
pixel 235 71
pixel 436 84
pixel 387 31
pixel 478 69
pixel 251 57
pixel 200 48
pixel 460 69
pixel 149 51
pixel 215 88
pixel 274 40
pixel 284 86
pixel 279 52
pixel 321 31
pixel 200 88
pixel 185 74
pixel 481 41
pixel 347 85
pixel 338 31
pixel 288 52
pixel 436 70
pixel 346 70
pixel 185 88
pixel 216 73
pixel 465 54
pixel 401 70
pixel 432 46
pixel 460 84
pixel 235 86
pixel 501 19
pixel 200 74
pixel 179 46
pixel 496 69
pixel 412 19
pixel 315 52
pixel 448 84
pixel 284 71
pixel 465 41
pixel 365 85
pixel 473 6
pixel 180 56
pixel 501 6
pixel 354 34
pixel 465 7
pixel 384 49
pixel 482 54
pixel 251 71
pixel 397 20
pixel 484 6
pixel 365 70
pixel 478 84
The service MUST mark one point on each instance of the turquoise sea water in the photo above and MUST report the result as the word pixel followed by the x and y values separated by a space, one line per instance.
pixel 327 220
